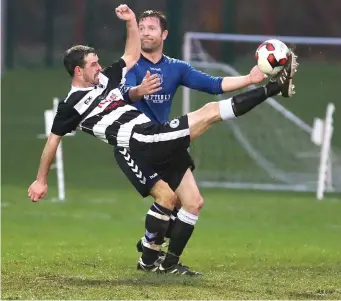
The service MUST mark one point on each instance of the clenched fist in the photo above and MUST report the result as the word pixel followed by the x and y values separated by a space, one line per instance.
pixel 124 13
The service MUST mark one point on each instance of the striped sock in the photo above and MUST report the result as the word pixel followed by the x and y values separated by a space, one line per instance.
pixel 157 221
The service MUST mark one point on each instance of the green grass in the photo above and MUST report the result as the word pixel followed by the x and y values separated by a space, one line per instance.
pixel 248 245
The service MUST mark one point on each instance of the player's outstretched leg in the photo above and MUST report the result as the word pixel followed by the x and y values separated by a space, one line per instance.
pixel 199 121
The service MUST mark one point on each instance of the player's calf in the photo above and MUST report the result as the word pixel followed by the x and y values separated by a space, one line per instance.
pixel 139 244
pixel 170 226
pixel 179 237
pixel 157 221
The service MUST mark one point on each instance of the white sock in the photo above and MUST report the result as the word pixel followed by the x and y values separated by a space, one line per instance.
pixel 187 217
pixel 226 110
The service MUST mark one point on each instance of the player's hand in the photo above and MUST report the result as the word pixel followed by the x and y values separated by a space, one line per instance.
pixel 150 84
pixel 257 76
pixel 124 13
pixel 37 191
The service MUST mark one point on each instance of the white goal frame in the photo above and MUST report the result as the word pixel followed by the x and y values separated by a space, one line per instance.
pixel 324 133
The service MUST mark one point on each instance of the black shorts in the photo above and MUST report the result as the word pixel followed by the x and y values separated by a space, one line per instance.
pixel 143 176
pixel 173 170
pixel 157 151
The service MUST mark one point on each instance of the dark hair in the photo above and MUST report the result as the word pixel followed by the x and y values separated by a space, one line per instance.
pixel 157 14
pixel 74 57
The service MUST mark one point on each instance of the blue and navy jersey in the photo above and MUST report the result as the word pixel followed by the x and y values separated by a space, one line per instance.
pixel 172 73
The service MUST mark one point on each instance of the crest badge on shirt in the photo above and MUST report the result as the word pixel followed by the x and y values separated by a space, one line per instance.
pixel 159 74
pixel 174 123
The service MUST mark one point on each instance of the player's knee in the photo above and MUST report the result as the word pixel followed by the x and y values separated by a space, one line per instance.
pixel 164 195
pixel 208 114
pixel 194 205
pixel 210 109
pixel 199 202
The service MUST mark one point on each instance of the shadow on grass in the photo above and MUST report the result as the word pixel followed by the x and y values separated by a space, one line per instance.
pixel 143 280
pixel 318 294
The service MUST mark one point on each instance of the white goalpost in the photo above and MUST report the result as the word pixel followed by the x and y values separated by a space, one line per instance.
pixel 324 139
pixel 271 148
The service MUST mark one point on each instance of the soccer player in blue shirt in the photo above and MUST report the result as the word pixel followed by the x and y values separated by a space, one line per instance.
pixel 151 85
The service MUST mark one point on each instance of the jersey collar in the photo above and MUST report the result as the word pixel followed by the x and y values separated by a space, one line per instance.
pixel 81 89
pixel 160 61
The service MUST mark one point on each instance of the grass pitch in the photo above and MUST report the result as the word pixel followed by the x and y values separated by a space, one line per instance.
pixel 248 245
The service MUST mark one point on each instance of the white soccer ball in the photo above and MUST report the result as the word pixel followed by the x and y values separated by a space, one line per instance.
pixel 271 56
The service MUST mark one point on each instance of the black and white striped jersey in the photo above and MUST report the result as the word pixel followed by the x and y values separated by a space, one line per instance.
pixel 100 110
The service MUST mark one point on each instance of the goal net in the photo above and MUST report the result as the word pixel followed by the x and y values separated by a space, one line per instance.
pixel 272 147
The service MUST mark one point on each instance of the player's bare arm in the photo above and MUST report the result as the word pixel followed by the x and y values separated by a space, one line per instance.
pixel 38 188
pixel 232 83
pixel 133 44
pixel 149 85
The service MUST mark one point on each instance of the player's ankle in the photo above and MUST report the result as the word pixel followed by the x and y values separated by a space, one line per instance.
pixel 170 260
pixel 149 256
pixel 272 89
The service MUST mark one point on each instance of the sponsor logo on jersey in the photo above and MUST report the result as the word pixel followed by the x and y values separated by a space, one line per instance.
pixel 158 98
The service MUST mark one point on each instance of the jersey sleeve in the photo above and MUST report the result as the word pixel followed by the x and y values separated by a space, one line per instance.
pixel 197 80
pixel 67 118
pixel 116 72
pixel 130 82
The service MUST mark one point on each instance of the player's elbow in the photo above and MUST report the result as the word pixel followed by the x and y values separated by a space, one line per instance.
pixel 131 59
pixel 214 89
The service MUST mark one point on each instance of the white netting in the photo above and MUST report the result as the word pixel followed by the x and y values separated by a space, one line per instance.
pixel 268 148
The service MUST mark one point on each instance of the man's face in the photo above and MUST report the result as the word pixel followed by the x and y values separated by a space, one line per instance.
pixel 91 70
pixel 151 34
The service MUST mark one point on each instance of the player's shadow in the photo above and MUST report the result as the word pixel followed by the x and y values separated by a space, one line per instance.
pixel 146 279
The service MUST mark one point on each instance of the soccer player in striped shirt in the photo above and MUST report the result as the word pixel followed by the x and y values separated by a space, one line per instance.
pixel 96 106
